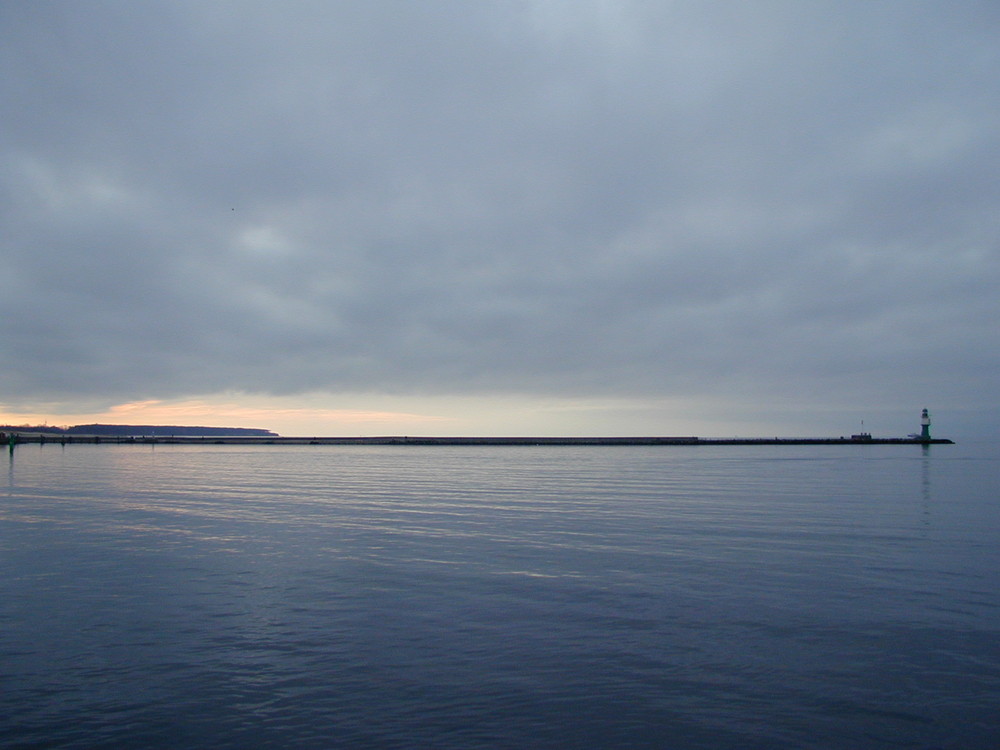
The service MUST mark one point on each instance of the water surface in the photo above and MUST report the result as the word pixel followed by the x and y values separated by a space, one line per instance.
pixel 457 597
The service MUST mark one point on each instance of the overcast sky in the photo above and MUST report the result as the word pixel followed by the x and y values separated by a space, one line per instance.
pixel 502 217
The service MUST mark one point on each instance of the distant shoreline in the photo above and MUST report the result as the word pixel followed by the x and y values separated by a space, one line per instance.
pixel 64 439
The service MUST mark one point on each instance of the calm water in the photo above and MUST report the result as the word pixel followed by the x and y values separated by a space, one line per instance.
pixel 501 597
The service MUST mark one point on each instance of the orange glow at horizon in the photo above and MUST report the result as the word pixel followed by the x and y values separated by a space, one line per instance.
pixel 226 414
pixel 373 414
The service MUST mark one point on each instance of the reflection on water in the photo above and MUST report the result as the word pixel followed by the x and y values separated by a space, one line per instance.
pixel 319 596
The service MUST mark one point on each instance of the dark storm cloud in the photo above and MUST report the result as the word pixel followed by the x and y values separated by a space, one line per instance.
pixel 579 198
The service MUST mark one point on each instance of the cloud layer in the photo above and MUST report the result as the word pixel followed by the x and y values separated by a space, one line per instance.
pixel 772 201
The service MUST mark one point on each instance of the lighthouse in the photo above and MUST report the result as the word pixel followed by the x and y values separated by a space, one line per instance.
pixel 925 425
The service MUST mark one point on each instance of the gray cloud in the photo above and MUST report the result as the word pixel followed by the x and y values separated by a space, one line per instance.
pixel 769 200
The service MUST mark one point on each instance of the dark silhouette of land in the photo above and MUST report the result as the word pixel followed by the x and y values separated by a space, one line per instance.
pixel 142 430
pixel 242 436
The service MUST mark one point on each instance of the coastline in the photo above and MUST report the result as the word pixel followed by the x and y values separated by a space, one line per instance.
pixel 457 441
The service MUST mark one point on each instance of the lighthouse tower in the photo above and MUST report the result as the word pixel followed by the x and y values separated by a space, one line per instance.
pixel 925 426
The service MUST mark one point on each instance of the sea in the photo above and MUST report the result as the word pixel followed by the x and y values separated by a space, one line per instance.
pixel 221 596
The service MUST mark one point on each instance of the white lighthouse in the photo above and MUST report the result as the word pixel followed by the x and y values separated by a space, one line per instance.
pixel 925 425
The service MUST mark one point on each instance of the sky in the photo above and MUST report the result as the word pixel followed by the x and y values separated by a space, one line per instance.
pixel 502 217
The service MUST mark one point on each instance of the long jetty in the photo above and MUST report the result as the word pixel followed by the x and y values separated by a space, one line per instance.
pixel 454 441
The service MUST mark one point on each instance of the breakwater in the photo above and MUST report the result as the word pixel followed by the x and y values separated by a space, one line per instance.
pixel 418 440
